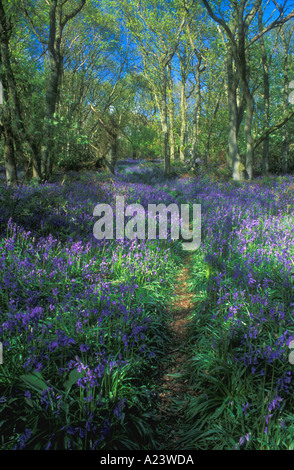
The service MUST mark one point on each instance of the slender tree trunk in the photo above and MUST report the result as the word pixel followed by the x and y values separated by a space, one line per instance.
pixel 266 97
pixel 184 107
pixel 50 107
pixel 171 115
pixel 285 132
pixel 6 129
pixel 160 97
pixel 249 100
pixel 57 19
pixel 248 135
pixel 266 94
pixel 285 149
pixel 265 156
pixel 210 129
pixel 36 169
pixel 9 157
pixel 196 110
pixel 234 160
pixel 111 155
pixel 54 43
pixel 164 122
pixel 183 135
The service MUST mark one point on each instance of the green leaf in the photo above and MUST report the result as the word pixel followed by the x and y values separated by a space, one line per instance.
pixel 35 381
pixel 29 402
pixel 74 375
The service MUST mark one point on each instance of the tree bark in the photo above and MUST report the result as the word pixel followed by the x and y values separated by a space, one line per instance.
pixel 6 129
pixel 210 127
pixel 171 114
pixel 184 56
pixel 55 59
pixel 242 66
pixel 241 25
pixel 164 123
pixel 14 126
pixel 183 134
pixel 237 52
pixel 9 157
pixel 234 159
pixel 111 156
pixel 196 110
pixel 285 133
pixel 57 22
pixel 266 97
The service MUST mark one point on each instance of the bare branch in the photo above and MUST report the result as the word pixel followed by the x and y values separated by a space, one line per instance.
pixel 276 23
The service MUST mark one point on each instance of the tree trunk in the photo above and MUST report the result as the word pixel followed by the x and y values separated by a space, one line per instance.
pixel 164 123
pixel 54 43
pixel 234 160
pixel 266 97
pixel 196 111
pixel 265 156
pixel 266 94
pixel 6 129
pixel 36 169
pixel 111 156
pixel 285 142
pixel 248 134
pixel 285 149
pixel 171 115
pixel 57 20
pixel 242 66
pixel 9 158
pixel 183 135
pixel 12 105
pixel 210 129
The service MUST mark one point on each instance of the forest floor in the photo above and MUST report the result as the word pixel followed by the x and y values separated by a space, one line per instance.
pixel 175 392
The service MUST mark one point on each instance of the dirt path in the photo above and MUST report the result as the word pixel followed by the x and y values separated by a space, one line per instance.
pixel 174 389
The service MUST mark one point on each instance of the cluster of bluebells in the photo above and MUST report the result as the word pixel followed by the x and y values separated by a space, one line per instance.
pixel 248 240
pixel 247 237
pixel 70 305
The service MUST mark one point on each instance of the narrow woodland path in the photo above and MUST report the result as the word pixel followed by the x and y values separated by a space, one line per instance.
pixel 174 389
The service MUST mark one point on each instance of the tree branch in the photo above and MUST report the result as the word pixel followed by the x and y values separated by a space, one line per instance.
pixel 42 41
pixel 73 13
pixel 274 24
pixel 272 129
pixel 105 127
pixel 218 20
